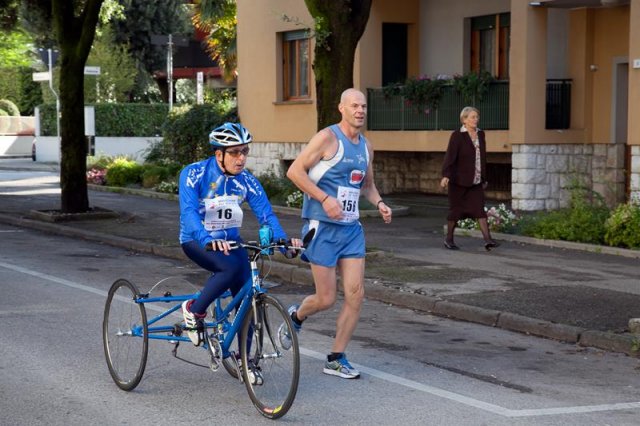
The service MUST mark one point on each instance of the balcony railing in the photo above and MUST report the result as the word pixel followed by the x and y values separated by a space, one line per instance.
pixel 392 112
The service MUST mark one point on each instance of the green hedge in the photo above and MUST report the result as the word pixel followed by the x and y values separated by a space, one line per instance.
pixel 186 132
pixel 115 119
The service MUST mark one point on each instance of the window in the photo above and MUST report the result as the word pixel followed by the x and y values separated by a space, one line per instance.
pixel 490 44
pixel 296 51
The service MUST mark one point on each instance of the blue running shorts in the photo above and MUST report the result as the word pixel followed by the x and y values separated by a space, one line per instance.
pixel 332 242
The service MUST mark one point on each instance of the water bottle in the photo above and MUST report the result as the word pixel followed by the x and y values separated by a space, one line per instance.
pixel 266 237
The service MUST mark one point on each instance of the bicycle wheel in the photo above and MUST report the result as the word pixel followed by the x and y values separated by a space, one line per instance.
pixel 270 372
pixel 124 334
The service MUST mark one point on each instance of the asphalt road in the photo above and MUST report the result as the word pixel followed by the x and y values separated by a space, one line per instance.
pixel 417 368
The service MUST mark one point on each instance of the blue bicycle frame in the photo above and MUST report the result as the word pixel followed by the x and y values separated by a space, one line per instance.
pixel 224 330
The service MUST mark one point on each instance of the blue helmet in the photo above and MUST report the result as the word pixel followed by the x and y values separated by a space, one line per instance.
pixel 229 134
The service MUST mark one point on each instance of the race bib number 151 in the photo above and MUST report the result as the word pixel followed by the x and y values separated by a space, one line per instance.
pixel 348 198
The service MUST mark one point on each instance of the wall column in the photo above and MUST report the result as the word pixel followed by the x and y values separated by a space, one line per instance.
pixel 527 91
pixel 633 129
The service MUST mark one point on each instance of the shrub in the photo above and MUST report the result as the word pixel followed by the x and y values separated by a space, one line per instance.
pixel 115 119
pixel 187 129
pixel 499 219
pixel 169 187
pixel 99 163
pixel 278 188
pixel 295 199
pixel 123 172
pixel 11 108
pixel 153 174
pixel 423 93
pixel 582 222
pixel 473 85
pixel 97 176
pixel 622 228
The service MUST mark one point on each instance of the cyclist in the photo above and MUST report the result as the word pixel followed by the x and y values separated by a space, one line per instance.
pixel 210 193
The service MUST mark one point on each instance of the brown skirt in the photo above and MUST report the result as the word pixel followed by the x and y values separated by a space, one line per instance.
pixel 466 202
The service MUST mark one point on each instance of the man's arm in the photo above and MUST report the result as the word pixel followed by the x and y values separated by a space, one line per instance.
pixel 322 145
pixel 370 191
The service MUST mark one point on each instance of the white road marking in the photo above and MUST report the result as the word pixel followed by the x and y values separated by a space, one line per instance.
pixel 452 396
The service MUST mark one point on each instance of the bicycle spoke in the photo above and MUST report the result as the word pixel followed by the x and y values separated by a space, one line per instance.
pixel 124 334
pixel 272 374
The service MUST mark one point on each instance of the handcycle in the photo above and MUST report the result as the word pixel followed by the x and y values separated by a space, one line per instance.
pixel 268 361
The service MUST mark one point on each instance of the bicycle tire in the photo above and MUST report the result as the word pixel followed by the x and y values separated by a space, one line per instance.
pixel 279 368
pixel 126 353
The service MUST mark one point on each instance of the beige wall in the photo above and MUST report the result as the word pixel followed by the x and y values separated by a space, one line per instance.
pixel 258 82
pixel 369 56
pixel 443 27
pixel 610 40
pixel 633 132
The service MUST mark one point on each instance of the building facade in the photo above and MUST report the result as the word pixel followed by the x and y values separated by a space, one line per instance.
pixel 567 84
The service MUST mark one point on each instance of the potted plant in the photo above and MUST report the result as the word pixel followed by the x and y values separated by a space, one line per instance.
pixel 473 85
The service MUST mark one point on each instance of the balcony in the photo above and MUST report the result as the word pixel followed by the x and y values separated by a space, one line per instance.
pixel 393 113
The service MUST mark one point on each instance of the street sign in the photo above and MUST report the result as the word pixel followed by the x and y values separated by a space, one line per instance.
pixel 176 40
pixel 91 70
pixel 41 76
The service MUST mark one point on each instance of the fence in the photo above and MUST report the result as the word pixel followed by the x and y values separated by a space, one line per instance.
pixel 392 112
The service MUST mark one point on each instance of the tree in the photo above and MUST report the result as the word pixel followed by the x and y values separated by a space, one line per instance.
pixel 74 28
pixel 218 19
pixel 339 26
pixel 144 18
pixel 117 70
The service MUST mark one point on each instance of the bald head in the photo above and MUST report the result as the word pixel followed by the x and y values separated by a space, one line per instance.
pixel 349 94
pixel 353 108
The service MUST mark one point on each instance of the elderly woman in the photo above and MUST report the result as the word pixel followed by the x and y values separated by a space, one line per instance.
pixel 464 173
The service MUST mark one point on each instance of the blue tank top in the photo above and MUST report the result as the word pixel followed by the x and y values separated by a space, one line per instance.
pixel 341 177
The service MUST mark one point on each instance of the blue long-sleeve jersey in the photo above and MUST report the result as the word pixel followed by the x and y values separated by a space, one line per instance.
pixel 204 181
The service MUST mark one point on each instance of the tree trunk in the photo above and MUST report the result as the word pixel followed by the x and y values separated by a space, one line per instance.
pixel 340 24
pixel 75 30
pixel 73 144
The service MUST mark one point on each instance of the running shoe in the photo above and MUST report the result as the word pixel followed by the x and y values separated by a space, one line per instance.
pixel 193 323
pixel 341 368
pixel 283 331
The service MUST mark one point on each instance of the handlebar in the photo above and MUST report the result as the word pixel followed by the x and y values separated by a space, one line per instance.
pixel 255 246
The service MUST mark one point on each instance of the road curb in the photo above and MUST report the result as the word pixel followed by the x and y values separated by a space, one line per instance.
pixel 570 245
pixel 397 210
pixel 290 273
pixel 522 324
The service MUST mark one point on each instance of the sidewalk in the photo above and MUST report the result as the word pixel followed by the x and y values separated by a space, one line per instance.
pixel 574 293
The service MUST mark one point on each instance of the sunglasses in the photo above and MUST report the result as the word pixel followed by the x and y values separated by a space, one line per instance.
pixel 237 152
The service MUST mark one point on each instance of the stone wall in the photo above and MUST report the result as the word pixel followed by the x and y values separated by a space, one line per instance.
pixel 272 157
pixel 394 171
pixel 542 173
pixel 635 174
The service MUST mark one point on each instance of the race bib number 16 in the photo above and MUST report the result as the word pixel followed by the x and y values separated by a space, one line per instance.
pixel 222 212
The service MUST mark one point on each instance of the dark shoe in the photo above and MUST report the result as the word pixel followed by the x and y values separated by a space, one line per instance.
pixel 488 245
pixel 451 245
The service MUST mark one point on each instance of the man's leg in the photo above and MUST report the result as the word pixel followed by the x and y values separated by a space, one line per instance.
pixel 352 273
pixel 325 282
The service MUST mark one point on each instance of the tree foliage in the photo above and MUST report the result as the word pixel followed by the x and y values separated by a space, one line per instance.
pixel 341 24
pixel 146 18
pixel 218 19
pixel 117 71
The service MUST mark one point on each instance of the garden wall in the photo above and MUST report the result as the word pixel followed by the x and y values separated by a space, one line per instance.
pixel 15 145
pixel 48 148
